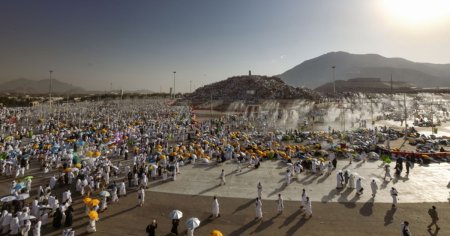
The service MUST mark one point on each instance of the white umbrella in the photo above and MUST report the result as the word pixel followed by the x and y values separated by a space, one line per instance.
pixel 290 164
pixel 29 217
pixel 45 207
pixel 358 176
pixel 192 223
pixel 23 196
pixel 104 194
pixel 8 199
pixel 176 215
pixel 74 169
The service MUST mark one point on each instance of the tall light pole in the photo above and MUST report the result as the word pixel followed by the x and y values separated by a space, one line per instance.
pixel 334 81
pixel 190 86
pixel 174 83
pixel 51 88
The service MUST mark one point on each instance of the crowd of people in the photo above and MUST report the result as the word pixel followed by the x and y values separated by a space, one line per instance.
pixel 101 150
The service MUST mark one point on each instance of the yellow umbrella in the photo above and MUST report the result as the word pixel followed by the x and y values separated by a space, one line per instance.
pixel 95 202
pixel 78 165
pixel 216 233
pixel 93 215
pixel 87 200
pixel 68 170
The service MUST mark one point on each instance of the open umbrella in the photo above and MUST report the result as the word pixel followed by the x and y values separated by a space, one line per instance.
pixel 87 200
pixel 176 215
pixel 29 217
pixel 28 177
pixel 23 196
pixel 45 207
pixel 95 202
pixel 8 199
pixel 19 186
pixel 93 215
pixel 104 194
pixel 216 233
pixel 192 223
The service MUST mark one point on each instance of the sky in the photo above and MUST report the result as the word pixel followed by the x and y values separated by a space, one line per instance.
pixel 138 44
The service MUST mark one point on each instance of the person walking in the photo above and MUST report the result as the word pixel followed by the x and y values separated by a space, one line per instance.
pixel 387 173
pixel 280 204
pixel 222 178
pixel 259 189
pixel 175 223
pixel 339 180
pixel 351 181
pixel 346 178
pixel 303 200
pixel 434 217
pixel 359 188
pixel 151 228
pixel 405 229
pixel 288 177
pixel 374 187
pixel 308 207
pixel 141 196
pixel 215 208
pixel 258 209
pixel 394 194
pixel 408 166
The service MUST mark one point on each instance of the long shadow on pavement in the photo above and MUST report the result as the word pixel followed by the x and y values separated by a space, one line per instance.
pixel 290 218
pixel 330 195
pixel 243 206
pixel 321 180
pixel 367 208
pixel 389 217
pixel 264 225
pixel 209 189
pixel 280 189
pixel 296 227
pixel 244 228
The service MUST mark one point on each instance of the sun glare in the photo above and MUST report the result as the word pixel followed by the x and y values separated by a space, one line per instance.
pixel 417 12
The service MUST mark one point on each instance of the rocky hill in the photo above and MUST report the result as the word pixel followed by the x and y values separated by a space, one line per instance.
pixel 317 71
pixel 251 88
pixel 27 86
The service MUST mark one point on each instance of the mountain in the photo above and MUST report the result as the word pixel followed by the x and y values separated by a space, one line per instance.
pixel 251 88
pixel 317 71
pixel 27 86
pixel 365 85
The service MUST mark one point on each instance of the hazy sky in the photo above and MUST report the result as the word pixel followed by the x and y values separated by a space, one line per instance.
pixel 138 44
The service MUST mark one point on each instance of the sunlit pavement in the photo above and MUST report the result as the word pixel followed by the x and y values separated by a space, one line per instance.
pixel 424 183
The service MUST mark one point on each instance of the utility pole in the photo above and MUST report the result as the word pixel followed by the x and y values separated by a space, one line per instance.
pixel 406 115
pixel 431 113
pixel 190 86
pixel 334 81
pixel 391 84
pixel 174 83
pixel 51 88
pixel 210 106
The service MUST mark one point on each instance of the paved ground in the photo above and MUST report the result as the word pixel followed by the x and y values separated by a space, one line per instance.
pixel 424 183
pixel 335 212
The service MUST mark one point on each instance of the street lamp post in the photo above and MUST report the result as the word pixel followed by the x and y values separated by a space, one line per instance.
pixel 51 88
pixel 334 81
pixel 174 83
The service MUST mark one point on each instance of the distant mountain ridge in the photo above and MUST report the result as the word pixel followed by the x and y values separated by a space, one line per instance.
pixel 28 86
pixel 318 71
